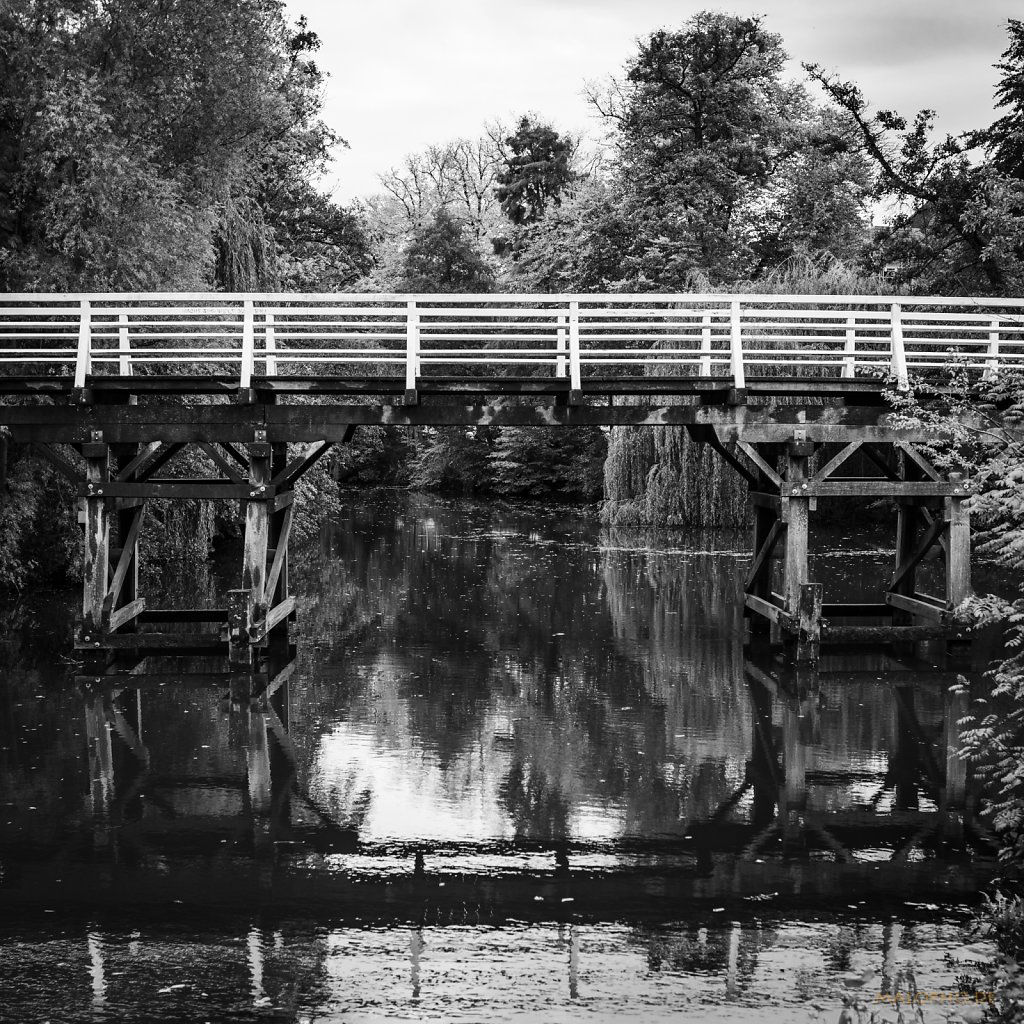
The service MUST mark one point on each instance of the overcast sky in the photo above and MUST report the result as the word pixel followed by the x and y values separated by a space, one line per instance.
pixel 408 73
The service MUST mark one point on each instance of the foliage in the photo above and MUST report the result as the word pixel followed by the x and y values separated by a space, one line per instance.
pixel 1004 138
pixel 450 458
pixel 537 169
pixel 38 523
pixel 545 462
pixel 150 146
pixel 958 223
pixel 440 258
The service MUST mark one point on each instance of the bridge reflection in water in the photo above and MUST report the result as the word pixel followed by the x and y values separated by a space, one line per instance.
pixel 519 759
pixel 233 826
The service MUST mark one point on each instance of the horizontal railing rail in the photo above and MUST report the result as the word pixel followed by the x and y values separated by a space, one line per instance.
pixel 573 337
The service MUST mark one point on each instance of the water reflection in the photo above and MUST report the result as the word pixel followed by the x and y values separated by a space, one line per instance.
pixel 515 745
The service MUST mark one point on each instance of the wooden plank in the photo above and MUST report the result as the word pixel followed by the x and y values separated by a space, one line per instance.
pixel 872 487
pixel 768 609
pixel 710 438
pixel 890 634
pixel 210 490
pixel 125 614
pixel 184 615
pixel 755 457
pixel 280 556
pixel 911 561
pixel 145 455
pixel 918 605
pixel 129 553
pixel 227 467
pixel 277 614
pixel 287 478
pixel 161 641
pixel 836 461
pixel 765 554
pixel 918 459
pixel 855 610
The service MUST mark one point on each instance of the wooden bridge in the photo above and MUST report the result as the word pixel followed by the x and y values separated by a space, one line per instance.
pixel 789 390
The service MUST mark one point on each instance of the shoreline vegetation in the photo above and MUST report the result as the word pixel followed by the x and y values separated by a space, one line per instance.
pixel 177 147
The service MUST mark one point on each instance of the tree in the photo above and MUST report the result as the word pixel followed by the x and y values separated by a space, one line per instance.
pixel 699 123
pixel 1004 139
pixel 959 221
pixel 537 169
pixel 144 143
pixel 440 258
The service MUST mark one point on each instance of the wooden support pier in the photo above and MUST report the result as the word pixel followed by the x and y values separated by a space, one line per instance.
pixel 788 390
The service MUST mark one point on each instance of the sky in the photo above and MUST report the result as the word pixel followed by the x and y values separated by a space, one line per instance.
pixel 406 74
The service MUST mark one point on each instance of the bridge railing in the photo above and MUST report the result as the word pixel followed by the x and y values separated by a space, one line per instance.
pixel 565 336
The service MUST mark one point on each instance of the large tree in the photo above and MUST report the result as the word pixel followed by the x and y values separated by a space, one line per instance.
pixel 144 142
pixel 537 169
pixel 959 219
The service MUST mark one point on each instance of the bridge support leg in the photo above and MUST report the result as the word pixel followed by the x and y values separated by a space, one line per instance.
pixel 802 599
pixel 96 551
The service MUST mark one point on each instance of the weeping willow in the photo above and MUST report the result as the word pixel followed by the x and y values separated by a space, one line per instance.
pixel 659 476
pixel 246 254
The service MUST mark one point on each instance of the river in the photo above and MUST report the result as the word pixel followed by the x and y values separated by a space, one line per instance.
pixel 523 770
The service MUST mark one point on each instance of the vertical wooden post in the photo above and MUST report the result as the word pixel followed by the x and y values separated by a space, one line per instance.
pixel 739 380
pixel 83 362
pixel 808 637
pixel 561 346
pixel 705 345
pixel 124 361
pixel 992 356
pixel 797 522
pixel 850 347
pixel 803 602
pixel 412 351
pixel 898 365
pixel 96 557
pixel 248 357
pixel 958 544
pixel 270 344
pixel 277 640
pixel 575 370
pixel 257 534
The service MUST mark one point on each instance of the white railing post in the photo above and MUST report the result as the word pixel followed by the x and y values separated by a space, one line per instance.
pixel 270 344
pixel 248 344
pixel 850 348
pixel 575 376
pixel 898 367
pixel 561 347
pixel 739 379
pixel 124 362
pixel 412 347
pixel 992 356
pixel 705 345
pixel 83 362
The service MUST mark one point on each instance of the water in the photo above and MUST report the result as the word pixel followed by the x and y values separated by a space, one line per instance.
pixel 522 771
